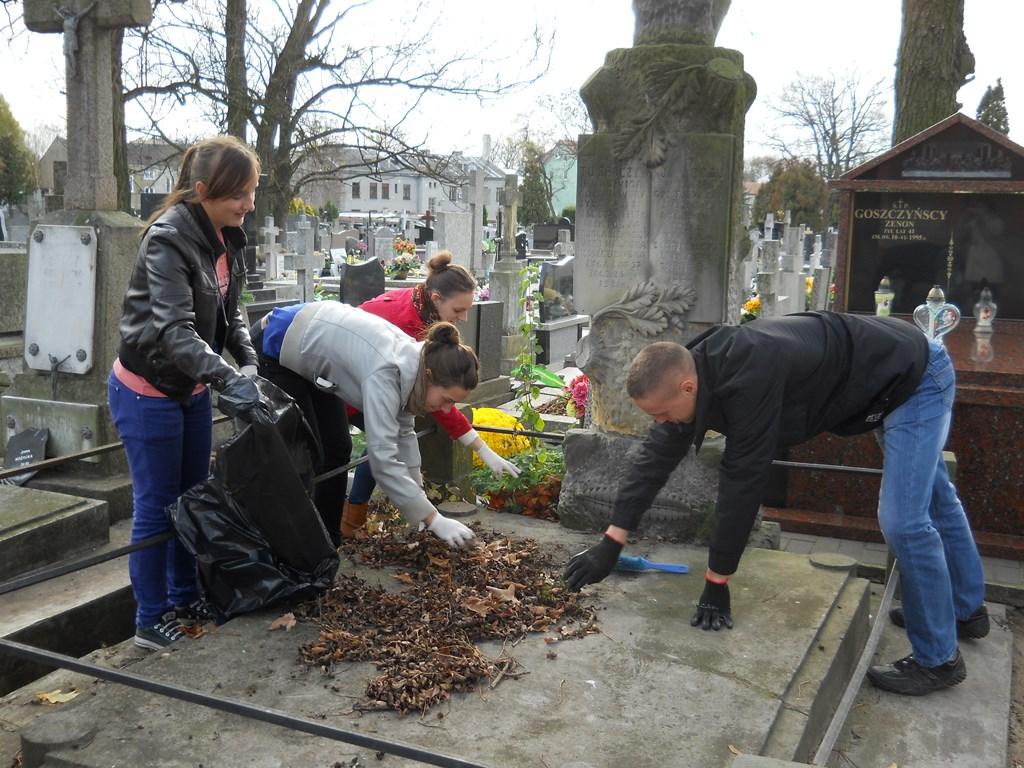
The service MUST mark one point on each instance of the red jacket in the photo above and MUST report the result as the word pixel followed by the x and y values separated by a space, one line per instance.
pixel 398 307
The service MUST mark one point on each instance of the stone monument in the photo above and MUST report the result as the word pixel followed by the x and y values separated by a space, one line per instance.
pixel 659 246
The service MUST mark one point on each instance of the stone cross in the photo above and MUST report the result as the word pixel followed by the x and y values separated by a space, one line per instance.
pixel 88 44
pixel 271 252
pixel 510 207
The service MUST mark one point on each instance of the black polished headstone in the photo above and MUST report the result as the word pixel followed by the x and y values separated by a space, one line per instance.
pixel 556 288
pixel 360 282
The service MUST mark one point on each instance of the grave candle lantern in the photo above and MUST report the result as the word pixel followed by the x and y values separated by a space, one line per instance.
pixel 883 298
pixel 984 312
pixel 935 317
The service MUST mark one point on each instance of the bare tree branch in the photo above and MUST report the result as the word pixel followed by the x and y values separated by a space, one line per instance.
pixel 836 122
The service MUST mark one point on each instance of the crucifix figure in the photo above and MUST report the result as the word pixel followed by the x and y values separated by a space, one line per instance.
pixel 428 217
pixel 69 23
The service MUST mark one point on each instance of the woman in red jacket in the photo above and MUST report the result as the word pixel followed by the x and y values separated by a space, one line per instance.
pixel 447 294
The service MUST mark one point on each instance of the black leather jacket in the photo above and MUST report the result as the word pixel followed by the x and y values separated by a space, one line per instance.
pixel 174 324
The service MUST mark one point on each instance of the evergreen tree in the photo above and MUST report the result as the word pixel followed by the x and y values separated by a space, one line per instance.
pixel 17 164
pixel 992 108
pixel 535 207
pixel 794 186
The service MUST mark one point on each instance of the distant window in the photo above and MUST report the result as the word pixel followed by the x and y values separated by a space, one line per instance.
pixel 385 191
pixel 149 174
pixel 373 190
pixel 149 190
pixel 430 204
pixel 355 190
pixel 407 191
pixel 131 184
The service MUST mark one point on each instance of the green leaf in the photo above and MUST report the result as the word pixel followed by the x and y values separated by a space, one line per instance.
pixel 543 375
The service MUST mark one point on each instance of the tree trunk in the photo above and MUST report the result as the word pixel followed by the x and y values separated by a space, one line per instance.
pixel 235 78
pixel 120 133
pixel 933 63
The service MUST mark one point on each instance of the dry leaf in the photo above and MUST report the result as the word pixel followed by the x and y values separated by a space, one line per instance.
pixel 405 578
pixel 440 562
pixel 285 622
pixel 507 595
pixel 56 697
pixel 733 749
pixel 476 605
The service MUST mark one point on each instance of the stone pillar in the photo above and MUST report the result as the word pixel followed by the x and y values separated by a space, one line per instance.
pixel 505 279
pixel 658 239
pixel 476 212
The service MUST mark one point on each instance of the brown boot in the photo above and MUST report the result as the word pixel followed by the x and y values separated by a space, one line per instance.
pixel 353 520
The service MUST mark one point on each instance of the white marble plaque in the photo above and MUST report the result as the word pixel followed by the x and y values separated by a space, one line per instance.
pixel 61 309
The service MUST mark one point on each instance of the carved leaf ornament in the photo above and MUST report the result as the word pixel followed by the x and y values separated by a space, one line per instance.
pixel 651 132
pixel 650 308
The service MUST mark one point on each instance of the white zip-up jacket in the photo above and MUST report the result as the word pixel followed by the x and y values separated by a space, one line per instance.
pixel 371 365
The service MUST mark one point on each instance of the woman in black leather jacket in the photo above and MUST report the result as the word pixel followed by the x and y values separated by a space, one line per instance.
pixel 181 314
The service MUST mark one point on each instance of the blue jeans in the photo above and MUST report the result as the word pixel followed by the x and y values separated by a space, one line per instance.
pixel 922 519
pixel 363 483
pixel 168 449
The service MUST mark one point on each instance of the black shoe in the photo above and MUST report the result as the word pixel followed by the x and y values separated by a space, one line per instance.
pixel 164 633
pixel 909 678
pixel 196 612
pixel 974 627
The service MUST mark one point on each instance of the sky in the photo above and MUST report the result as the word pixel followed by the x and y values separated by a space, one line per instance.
pixel 780 40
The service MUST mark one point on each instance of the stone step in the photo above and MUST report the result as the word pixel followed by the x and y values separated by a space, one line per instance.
pixel 264 294
pixel 253 285
pixel 257 309
pixel 40 527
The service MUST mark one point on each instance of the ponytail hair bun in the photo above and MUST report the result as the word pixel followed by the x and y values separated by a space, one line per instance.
pixel 443 333
pixel 447 279
pixel 440 261
pixel 450 362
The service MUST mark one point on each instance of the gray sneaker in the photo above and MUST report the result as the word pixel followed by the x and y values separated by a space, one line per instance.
pixel 164 633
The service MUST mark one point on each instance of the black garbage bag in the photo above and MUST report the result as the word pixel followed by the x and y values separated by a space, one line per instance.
pixel 252 525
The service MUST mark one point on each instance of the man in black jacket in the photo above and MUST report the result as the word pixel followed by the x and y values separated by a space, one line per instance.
pixel 778 382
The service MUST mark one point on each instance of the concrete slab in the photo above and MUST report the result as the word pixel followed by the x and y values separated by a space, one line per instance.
pixel 648 690
pixel 39 527
pixel 963 727
pixel 72 614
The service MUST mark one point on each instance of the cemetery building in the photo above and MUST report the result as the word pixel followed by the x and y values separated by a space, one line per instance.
pixel 152 173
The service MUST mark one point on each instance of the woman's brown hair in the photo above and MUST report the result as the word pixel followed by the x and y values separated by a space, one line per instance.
pixel 447 278
pixel 450 362
pixel 223 163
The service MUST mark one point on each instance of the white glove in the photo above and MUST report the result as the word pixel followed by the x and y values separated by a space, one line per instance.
pixel 248 370
pixel 451 532
pixel 497 465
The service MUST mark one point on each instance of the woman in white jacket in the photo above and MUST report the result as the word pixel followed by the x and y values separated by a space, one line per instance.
pixel 326 354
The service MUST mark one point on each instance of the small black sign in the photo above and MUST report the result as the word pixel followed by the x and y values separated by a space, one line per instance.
pixel 26 447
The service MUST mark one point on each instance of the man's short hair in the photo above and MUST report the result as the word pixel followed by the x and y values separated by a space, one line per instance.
pixel 652 363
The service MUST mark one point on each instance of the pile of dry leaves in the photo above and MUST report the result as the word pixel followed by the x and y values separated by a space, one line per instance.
pixel 423 638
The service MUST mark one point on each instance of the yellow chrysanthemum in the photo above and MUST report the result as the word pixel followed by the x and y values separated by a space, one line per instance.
pixel 502 444
pixel 752 305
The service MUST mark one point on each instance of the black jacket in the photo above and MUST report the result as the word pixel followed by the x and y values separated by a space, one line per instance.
pixel 174 324
pixel 770 384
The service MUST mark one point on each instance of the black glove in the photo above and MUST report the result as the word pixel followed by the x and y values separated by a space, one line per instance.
pixel 713 608
pixel 592 565
pixel 239 396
